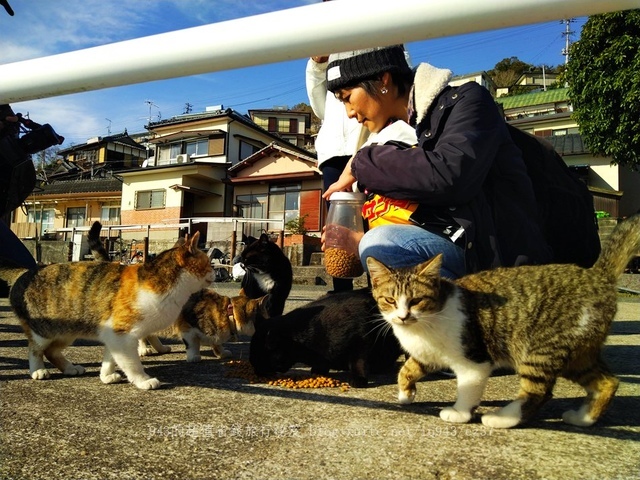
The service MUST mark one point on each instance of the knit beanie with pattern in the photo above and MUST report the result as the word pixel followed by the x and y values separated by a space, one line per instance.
pixel 347 69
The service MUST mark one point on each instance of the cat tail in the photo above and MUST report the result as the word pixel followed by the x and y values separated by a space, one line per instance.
pixel 10 272
pixel 97 248
pixel 621 246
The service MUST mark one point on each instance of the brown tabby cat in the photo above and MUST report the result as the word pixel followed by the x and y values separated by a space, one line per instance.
pixel 545 321
pixel 115 304
pixel 212 319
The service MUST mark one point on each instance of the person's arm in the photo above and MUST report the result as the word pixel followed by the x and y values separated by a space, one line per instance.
pixel 343 184
pixel 316 81
pixel 452 172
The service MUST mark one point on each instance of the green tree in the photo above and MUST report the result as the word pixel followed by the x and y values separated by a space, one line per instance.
pixel 604 85
pixel 508 70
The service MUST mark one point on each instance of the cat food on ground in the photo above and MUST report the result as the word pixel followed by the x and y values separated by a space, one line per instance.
pixel 342 264
pixel 243 369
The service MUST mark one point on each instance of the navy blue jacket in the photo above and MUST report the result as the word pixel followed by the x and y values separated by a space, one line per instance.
pixel 466 169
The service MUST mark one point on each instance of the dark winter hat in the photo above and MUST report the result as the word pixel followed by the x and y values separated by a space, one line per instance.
pixel 347 69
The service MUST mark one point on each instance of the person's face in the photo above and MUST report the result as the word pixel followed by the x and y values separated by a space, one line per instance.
pixel 369 111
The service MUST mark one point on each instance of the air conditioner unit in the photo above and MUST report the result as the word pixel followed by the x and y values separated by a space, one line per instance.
pixel 182 158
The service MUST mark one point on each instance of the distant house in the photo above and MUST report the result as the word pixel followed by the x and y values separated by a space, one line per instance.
pixel 530 81
pixel 548 114
pixel 287 124
pixel 278 183
pixel 481 78
pixel 180 173
pixel 84 185
pixel 187 176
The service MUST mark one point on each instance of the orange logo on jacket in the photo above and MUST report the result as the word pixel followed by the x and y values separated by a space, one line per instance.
pixel 381 210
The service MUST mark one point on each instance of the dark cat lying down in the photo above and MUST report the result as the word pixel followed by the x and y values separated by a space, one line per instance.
pixel 342 331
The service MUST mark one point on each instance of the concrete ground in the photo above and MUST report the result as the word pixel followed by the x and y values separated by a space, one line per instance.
pixel 205 424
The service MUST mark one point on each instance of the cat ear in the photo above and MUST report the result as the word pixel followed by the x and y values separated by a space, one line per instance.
pixel 262 305
pixel 376 270
pixel 431 266
pixel 192 243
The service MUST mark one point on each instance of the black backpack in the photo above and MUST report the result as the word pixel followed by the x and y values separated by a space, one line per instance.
pixel 566 206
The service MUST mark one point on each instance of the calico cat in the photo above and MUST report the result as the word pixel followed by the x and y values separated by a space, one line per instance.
pixel 341 331
pixel 146 345
pixel 545 321
pixel 115 304
pixel 212 319
pixel 207 317
pixel 268 271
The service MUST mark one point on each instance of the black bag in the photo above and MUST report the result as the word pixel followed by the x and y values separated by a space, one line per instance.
pixel 566 206
pixel 17 174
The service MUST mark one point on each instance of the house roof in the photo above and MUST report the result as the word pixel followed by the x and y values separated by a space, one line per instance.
pixel 273 146
pixel 121 138
pixel 232 114
pixel 570 144
pixel 535 98
pixel 95 185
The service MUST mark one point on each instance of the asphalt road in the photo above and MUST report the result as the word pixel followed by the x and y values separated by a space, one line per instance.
pixel 206 424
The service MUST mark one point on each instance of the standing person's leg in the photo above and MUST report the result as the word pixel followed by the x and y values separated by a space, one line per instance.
pixel 14 249
pixel 331 170
pixel 409 245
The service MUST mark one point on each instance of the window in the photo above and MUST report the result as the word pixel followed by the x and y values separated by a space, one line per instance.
pixel 293 125
pixel 246 150
pixel 148 199
pixel 87 157
pixel 284 202
pixel 45 218
pixel 76 216
pixel 168 153
pixel 110 214
pixel 253 206
pixel 197 147
pixel 217 144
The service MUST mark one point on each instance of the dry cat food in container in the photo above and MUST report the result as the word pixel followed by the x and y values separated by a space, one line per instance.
pixel 342 235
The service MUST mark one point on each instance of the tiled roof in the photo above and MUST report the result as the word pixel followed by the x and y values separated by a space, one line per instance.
pixel 96 185
pixel 571 144
pixel 535 98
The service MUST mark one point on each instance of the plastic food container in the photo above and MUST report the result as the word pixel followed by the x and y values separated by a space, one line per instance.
pixel 342 234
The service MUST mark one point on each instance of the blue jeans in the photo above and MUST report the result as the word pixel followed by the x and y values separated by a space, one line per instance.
pixel 409 245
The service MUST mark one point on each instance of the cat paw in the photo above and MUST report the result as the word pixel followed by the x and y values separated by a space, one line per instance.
pixel 111 378
pixel 40 374
pixel 450 414
pixel 73 370
pixel 150 384
pixel 495 420
pixel 578 418
pixel 223 353
pixel 145 351
pixel 193 358
pixel 406 397
pixel 162 349
pixel 507 417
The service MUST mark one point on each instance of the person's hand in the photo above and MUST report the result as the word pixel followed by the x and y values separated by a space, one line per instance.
pixel 343 184
pixel 320 58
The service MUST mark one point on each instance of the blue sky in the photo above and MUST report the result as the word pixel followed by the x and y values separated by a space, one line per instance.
pixel 46 27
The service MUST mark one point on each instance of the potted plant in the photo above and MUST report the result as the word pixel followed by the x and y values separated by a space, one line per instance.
pixel 296 232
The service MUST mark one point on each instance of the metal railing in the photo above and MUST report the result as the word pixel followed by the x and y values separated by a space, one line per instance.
pixel 337 26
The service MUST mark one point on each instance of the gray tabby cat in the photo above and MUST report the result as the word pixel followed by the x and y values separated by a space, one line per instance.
pixel 545 321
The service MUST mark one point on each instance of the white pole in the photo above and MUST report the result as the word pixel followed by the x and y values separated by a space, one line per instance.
pixel 275 37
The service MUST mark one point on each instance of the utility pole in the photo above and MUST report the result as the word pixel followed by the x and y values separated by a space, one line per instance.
pixel 151 104
pixel 108 127
pixel 567 37
pixel 187 108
